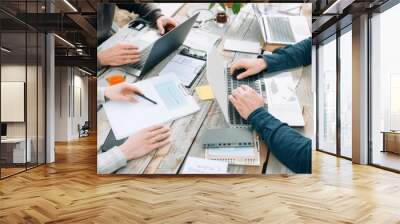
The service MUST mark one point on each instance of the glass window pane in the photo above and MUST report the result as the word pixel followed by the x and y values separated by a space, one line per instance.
pixel 41 98
pixel 31 97
pixel 346 94
pixel 385 83
pixel 13 87
pixel 327 97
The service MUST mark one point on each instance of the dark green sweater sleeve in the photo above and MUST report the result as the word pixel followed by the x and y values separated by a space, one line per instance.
pixel 289 146
pixel 147 11
pixel 288 57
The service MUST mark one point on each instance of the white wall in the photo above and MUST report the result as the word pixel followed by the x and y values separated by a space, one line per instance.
pixel 70 83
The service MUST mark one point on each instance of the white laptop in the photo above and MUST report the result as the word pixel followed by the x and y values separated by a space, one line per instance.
pixel 282 29
pixel 278 92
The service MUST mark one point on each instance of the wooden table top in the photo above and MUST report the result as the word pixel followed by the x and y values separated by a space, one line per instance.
pixel 186 131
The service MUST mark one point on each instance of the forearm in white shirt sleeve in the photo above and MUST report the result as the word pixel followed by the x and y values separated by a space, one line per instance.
pixel 100 95
pixel 110 161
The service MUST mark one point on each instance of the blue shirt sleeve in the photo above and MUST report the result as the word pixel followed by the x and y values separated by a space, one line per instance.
pixel 289 146
pixel 288 57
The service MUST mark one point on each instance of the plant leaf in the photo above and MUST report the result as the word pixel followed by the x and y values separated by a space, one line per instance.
pixel 211 5
pixel 236 7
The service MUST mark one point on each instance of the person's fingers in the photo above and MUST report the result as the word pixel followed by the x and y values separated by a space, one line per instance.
pixel 236 65
pixel 160 26
pixel 133 53
pixel 246 87
pixel 128 47
pixel 160 137
pixel 156 132
pixel 131 89
pixel 128 98
pixel 154 127
pixel 238 91
pixel 172 22
pixel 160 143
pixel 128 59
pixel 235 101
pixel 245 74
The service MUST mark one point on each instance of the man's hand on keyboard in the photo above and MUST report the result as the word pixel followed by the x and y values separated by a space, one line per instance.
pixel 246 100
pixel 252 65
pixel 120 54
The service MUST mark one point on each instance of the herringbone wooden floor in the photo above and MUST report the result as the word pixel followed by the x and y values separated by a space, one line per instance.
pixel 70 191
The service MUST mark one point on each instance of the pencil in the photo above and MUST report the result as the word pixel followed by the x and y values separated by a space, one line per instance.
pixel 146 98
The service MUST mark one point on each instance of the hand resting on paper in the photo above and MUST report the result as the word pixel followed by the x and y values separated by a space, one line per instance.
pixel 145 141
pixel 246 100
pixel 122 92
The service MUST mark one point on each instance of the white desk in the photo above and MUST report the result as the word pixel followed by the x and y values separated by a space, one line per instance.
pixel 18 149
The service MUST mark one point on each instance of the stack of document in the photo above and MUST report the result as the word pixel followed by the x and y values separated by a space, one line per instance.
pixel 245 155
pixel 248 156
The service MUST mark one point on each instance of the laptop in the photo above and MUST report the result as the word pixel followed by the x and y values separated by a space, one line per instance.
pixel 282 29
pixel 151 53
pixel 280 101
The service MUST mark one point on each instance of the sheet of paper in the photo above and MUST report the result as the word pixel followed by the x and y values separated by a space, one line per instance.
pixel 242 46
pixel 282 99
pixel 169 9
pixel 201 40
pixel 205 92
pixel 194 165
pixel 172 103
pixel 185 68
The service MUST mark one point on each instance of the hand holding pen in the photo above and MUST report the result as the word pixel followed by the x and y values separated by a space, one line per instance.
pixel 125 92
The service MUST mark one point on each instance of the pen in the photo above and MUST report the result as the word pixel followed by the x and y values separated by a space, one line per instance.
pixel 146 98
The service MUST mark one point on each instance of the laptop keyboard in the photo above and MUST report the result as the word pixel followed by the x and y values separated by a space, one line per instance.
pixel 280 29
pixel 233 83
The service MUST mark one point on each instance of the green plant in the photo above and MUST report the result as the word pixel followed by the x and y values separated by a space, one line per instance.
pixel 236 6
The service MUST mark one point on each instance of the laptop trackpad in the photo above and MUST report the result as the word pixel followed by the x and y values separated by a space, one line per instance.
pixel 131 70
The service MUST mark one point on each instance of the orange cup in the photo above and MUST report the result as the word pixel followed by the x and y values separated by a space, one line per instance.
pixel 115 79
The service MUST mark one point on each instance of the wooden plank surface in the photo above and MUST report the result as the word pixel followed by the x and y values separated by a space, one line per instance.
pixel 186 131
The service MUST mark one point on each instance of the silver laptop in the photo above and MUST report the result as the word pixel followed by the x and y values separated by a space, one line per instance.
pixel 282 100
pixel 282 29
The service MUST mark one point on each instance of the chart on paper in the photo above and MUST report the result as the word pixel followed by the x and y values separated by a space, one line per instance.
pixel 171 95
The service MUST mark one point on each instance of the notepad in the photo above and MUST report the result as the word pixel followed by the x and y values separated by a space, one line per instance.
pixel 248 156
pixel 205 92
pixel 172 102
pixel 194 165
